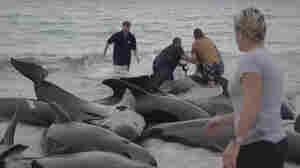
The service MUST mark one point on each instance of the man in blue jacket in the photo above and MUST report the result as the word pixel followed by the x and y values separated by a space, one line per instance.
pixel 124 41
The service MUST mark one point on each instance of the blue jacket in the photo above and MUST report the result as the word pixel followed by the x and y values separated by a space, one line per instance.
pixel 122 47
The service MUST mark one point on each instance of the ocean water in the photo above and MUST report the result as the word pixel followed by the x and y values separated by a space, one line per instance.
pixel 68 36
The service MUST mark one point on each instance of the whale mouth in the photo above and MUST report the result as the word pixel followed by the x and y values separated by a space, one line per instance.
pixel 159 116
pixel 126 155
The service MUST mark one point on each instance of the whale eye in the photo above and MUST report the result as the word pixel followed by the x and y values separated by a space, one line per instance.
pixel 127 155
pixel 125 141
pixel 121 108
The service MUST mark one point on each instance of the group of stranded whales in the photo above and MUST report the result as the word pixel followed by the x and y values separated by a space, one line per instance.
pixel 189 93
pixel 106 132
pixel 192 133
pixel 68 134
pixel 11 155
pixel 78 109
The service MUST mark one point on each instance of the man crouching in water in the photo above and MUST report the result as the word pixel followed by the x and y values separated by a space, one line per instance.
pixel 208 61
pixel 165 63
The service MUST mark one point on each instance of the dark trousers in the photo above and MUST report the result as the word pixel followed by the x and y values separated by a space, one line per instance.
pixel 161 74
pixel 263 154
pixel 213 73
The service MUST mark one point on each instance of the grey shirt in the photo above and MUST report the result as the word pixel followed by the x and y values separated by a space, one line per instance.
pixel 267 125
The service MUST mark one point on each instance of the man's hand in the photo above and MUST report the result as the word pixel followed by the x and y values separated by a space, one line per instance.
pixel 138 59
pixel 136 56
pixel 212 126
pixel 230 154
pixel 185 57
pixel 105 49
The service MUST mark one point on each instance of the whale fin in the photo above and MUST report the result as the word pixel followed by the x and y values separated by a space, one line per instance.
pixel 8 148
pixel 146 82
pixel 8 138
pixel 135 89
pixel 61 115
pixel 32 71
pixel 12 150
pixel 118 93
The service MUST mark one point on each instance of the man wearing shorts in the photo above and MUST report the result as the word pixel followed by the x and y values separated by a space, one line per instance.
pixel 208 60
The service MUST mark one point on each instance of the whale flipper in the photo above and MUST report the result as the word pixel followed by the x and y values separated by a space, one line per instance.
pixel 7 142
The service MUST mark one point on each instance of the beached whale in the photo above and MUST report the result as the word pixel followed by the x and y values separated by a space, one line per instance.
pixel 79 109
pixel 82 110
pixel 192 133
pixel 31 111
pixel 125 122
pixel 160 107
pixel 92 159
pixel 192 89
pixel 12 155
pixel 67 136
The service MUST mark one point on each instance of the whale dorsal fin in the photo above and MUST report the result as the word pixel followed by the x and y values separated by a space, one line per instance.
pixel 135 89
pixel 31 70
pixel 118 92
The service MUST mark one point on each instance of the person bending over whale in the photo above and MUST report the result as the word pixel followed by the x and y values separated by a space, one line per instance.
pixel 208 60
pixel 165 63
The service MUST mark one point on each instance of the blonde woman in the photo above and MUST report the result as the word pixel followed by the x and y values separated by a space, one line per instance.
pixel 256 91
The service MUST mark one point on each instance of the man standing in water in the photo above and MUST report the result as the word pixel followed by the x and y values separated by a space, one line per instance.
pixel 124 41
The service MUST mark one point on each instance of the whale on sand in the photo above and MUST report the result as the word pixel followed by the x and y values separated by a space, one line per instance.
pixel 125 122
pixel 67 136
pixel 192 133
pixel 79 109
pixel 31 111
pixel 92 159
pixel 160 107
pixel 193 90
pixel 12 155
